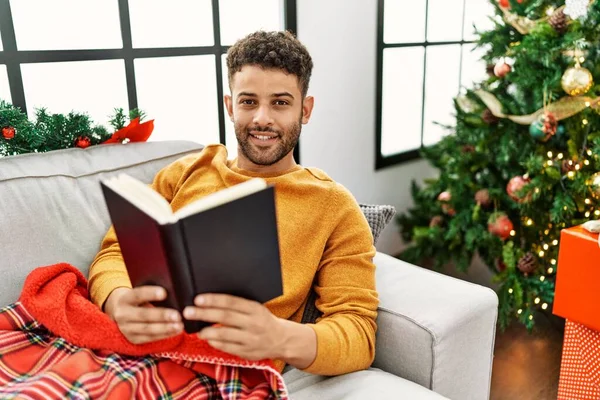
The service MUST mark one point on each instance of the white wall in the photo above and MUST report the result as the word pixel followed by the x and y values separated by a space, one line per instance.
pixel 341 36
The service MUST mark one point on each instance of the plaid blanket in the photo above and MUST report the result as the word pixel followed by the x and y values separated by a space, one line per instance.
pixel 54 343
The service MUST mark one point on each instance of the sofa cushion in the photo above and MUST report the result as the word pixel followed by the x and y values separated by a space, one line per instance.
pixel 368 384
pixel 52 206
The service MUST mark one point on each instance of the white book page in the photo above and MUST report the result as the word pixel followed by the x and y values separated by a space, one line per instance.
pixel 221 197
pixel 143 197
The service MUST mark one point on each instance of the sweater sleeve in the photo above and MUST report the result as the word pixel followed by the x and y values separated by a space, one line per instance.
pixel 345 287
pixel 107 271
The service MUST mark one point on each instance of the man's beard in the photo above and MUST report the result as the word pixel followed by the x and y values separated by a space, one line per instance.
pixel 285 142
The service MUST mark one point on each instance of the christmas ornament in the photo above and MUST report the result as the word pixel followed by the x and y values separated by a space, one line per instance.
pixel 544 127
pixel 488 117
pixel 438 220
pixel 500 225
pixel 8 132
pixel 558 21
pixel 527 264
pixel 500 266
pixel 467 148
pixel 501 69
pixel 444 198
pixel 514 187
pixel 577 80
pixel 506 3
pixel 83 142
pixel 576 8
pixel 482 197
pixel 594 185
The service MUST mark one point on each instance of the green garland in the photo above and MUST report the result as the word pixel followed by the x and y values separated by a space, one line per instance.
pixel 19 135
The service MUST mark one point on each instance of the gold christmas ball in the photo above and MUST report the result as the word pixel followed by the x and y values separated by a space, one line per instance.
pixel 594 185
pixel 577 80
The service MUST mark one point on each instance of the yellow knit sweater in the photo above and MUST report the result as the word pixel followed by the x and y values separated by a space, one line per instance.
pixel 322 234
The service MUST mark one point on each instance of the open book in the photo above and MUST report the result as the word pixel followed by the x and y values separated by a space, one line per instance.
pixel 226 242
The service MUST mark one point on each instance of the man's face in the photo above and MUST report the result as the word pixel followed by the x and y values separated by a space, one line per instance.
pixel 268 111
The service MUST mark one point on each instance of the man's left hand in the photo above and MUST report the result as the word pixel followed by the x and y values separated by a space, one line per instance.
pixel 246 328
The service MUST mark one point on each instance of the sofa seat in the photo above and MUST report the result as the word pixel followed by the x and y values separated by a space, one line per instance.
pixel 369 384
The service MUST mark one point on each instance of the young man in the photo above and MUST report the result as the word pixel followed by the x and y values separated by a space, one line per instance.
pixel 325 240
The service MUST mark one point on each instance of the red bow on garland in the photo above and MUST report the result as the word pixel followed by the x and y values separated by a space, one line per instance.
pixel 134 132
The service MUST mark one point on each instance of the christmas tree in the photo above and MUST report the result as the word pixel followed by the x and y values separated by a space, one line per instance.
pixel 522 161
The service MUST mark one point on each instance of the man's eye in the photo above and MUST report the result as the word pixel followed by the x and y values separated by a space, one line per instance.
pixel 281 102
pixel 247 102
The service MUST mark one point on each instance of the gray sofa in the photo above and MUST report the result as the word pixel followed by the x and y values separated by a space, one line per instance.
pixel 435 337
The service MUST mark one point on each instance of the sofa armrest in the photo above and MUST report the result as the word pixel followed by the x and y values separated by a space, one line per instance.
pixel 435 330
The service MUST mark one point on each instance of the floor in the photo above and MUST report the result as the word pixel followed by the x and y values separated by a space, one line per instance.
pixel 526 366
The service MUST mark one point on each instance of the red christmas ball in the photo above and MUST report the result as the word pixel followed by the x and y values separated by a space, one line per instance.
pixel 502 69
pixel 444 198
pixel 8 132
pixel 515 185
pixel 83 142
pixel 500 225
pixel 506 4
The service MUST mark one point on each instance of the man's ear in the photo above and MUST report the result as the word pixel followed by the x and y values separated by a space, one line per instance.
pixel 229 105
pixel 307 107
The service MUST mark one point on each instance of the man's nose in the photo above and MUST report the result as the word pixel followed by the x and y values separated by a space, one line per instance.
pixel 263 117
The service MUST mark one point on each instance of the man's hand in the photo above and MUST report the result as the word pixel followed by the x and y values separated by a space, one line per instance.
pixel 138 322
pixel 248 329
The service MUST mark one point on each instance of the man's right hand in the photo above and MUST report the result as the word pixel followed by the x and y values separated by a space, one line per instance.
pixel 139 322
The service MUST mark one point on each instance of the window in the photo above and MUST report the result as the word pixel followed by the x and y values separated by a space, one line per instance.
pixel 425 54
pixel 167 58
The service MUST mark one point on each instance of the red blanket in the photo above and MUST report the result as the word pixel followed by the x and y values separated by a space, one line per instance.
pixel 54 343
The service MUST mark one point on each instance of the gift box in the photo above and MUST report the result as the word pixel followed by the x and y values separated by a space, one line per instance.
pixel 577 294
pixel 580 365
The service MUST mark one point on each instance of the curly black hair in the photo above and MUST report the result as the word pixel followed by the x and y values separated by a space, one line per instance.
pixel 278 49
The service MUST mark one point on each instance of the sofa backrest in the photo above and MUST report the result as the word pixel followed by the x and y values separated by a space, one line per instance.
pixel 52 209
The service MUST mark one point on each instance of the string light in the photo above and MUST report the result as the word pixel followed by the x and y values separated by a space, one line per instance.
pixel 529 222
pixel 553 261
pixel 549 162
pixel 581 59
pixel 554 242
pixel 560 156
pixel 587 103
pixel 587 214
pixel 577 167
pixel 550 270
pixel 565 208
pixel 570 174
pixel 510 290
pixel 549 154
pixel 537 300
pixel 541 253
pixel 546 232
pixel 545 246
pixel 597 212
pixel 519 311
pixel 587 201
pixel 536 190
pixel 586 162
pixel 531 317
pixel 544 306
pixel 513 233
pixel 542 278
pixel 589 152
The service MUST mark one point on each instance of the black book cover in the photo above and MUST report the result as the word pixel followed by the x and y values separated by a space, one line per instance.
pixel 232 248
